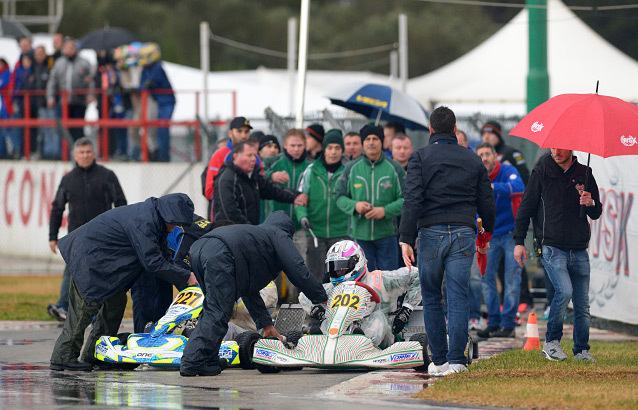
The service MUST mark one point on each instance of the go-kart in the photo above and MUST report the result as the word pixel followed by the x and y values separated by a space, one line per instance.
pixel 344 346
pixel 163 343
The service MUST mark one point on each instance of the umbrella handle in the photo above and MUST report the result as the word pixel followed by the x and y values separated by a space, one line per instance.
pixel 582 207
pixel 479 222
pixel 376 122
pixel 314 238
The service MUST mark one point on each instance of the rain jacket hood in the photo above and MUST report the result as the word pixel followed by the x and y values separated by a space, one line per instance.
pixel 176 209
pixel 280 220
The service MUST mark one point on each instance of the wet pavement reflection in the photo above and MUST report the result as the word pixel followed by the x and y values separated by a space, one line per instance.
pixel 25 385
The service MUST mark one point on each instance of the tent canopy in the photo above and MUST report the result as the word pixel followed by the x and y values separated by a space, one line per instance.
pixel 495 72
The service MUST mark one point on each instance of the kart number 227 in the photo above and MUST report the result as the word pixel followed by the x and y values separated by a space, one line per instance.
pixel 346 300
pixel 188 299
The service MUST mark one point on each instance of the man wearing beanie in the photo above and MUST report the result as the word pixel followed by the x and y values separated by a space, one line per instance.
pixel 370 191
pixel 314 139
pixel 286 170
pixel 268 147
pixel 328 222
pixel 492 132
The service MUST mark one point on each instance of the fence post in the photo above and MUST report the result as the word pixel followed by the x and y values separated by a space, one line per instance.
pixel 65 117
pixel 105 113
pixel 144 126
pixel 198 149
pixel 27 130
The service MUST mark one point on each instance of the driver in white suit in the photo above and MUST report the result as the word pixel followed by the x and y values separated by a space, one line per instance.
pixel 346 261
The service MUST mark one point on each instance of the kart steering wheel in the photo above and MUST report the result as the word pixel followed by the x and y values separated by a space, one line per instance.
pixel 373 293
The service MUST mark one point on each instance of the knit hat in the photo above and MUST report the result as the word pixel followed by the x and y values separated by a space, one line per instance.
pixel 492 126
pixel 268 139
pixel 334 136
pixel 315 131
pixel 371 130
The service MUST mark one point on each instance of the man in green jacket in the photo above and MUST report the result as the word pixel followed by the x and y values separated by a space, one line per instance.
pixel 328 222
pixel 286 169
pixel 370 190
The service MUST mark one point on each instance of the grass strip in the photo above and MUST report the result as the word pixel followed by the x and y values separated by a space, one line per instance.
pixel 27 297
pixel 527 380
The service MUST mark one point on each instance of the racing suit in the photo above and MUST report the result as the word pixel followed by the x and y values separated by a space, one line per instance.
pixel 389 285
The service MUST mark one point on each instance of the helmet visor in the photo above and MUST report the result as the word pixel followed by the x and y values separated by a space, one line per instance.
pixel 338 268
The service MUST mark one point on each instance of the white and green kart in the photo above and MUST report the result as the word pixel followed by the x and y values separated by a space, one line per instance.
pixel 163 344
pixel 348 303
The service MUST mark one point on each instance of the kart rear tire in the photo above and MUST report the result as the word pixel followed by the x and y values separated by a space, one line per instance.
pixel 246 342
pixel 267 369
pixel 423 339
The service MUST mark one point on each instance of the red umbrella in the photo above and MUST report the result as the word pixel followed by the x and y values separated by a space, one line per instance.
pixel 597 124
pixel 481 239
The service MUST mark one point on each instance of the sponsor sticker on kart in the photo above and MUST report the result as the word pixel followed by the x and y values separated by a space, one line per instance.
pixel 144 355
pixel 384 360
pixel 265 354
pixel 403 357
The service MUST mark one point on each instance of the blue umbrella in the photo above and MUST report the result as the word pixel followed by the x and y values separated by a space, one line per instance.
pixel 381 102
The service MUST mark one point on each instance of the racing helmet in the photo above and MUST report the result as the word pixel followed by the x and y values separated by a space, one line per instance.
pixel 345 261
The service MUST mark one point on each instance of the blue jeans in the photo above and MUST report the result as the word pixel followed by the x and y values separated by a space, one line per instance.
pixel 502 247
pixel 381 254
pixel 476 292
pixel 164 112
pixel 448 249
pixel 64 289
pixel 569 272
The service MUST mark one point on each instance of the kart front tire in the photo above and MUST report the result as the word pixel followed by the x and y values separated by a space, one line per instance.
pixel 187 332
pixel 422 338
pixel 293 336
pixel 246 342
pixel 267 369
pixel 148 327
pixel 123 337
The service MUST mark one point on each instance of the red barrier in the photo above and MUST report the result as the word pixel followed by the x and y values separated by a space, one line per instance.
pixel 105 123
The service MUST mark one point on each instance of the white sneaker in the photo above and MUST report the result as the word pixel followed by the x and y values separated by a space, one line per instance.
pixel 434 370
pixel 455 368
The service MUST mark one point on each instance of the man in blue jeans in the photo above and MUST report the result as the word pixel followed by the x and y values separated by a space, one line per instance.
pixel 558 187
pixel 446 185
pixel 508 188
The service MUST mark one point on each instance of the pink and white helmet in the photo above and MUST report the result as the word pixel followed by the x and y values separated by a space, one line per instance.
pixel 345 261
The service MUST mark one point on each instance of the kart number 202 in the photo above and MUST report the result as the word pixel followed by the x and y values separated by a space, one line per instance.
pixel 188 299
pixel 346 300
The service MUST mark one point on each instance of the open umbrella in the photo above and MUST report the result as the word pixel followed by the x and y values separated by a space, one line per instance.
pixel 381 102
pixel 596 124
pixel 107 38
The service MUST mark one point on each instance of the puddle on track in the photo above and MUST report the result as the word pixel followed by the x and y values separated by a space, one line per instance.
pixel 26 385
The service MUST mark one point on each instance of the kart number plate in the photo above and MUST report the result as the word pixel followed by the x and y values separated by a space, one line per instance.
pixel 346 300
pixel 188 299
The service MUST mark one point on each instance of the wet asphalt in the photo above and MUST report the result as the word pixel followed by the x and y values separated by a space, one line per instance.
pixel 27 382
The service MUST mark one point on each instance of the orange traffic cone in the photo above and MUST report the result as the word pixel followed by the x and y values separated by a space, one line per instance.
pixel 532 342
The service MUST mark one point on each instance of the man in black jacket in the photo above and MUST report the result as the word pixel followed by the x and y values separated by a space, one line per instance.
pixel 105 257
pixel 558 188
pixel 238 188
pixel 446 185
pixel 238 261
pixel 89 189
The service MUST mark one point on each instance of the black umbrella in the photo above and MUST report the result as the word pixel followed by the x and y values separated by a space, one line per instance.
pixel 107 38
pixel 10 28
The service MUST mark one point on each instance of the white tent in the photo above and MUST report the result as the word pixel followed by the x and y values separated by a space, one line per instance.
pixel 493 75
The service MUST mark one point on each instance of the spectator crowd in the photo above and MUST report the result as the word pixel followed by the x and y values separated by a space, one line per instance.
pixel 63 84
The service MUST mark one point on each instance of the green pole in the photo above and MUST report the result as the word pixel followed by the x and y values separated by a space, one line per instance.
pixel 538 77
